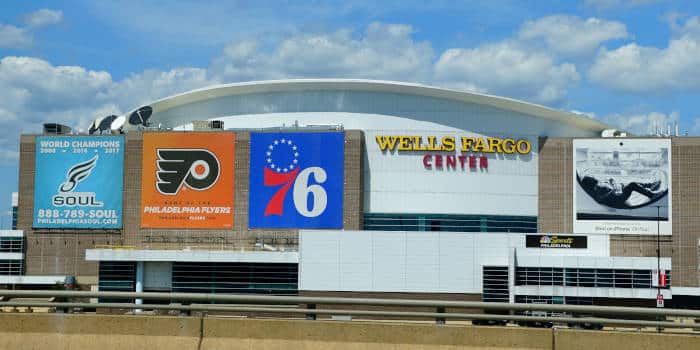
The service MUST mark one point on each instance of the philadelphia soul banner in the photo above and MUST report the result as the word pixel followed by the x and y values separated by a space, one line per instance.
pixel 622 186
pixel 296 180
pixel 78 182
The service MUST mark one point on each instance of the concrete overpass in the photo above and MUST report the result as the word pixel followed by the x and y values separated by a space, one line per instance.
pixel 106 332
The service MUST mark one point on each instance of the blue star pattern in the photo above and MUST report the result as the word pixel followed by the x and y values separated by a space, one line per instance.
pixel 285 159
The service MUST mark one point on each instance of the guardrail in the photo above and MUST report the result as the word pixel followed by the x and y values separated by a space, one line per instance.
pixel 308 306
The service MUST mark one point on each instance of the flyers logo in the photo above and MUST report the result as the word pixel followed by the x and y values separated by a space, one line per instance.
pixel 196 168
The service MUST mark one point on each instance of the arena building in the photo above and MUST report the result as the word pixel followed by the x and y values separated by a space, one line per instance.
pixel 371 188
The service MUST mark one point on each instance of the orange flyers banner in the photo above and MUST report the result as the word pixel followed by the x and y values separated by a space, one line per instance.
pixel 187 180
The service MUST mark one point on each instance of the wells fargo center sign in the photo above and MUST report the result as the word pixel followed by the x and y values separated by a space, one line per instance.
pixel 474 151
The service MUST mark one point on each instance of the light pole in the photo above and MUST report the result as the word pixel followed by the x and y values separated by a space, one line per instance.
pixel 658 258
pixel 658 244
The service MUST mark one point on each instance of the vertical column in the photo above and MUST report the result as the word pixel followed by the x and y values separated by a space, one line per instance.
pixel 421 223
pixel 139 283
pixel 512 261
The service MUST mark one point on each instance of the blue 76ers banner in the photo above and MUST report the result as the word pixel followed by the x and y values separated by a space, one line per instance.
pixel 78 182
pixel 296 180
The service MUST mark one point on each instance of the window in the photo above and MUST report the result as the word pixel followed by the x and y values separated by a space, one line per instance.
pixel 258 278
pixel 605 278
pixel 495 280
pixel 641 279
pixel 585 277
pixel 453 223
pixel 622 278
pixel 117 276
pixel 11 244
pixel 11 267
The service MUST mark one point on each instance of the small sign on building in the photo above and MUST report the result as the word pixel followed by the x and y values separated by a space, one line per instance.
pixel 659 300
pixel 658 278
pixel 556 241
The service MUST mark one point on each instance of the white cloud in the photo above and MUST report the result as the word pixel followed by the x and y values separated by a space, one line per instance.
pixel 45 87
pixel 644 123
pixel 570 35
pixel 35 92
pixel 690 28
pixel 508 69
pixel 642 69
pixel 151 85
pixel 388 51
pixel 42 18
pixel 14 37
pixel 383 51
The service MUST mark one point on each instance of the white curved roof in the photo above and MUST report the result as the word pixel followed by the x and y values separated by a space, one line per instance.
pixel 295 85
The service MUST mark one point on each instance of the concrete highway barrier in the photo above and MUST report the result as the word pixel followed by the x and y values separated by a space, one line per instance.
pixel 281 334
pixel 107 332
pixel 586 340
pixel 103 332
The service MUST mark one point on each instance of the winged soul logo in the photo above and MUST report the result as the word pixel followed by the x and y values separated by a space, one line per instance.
pixel 76 174
pixel 196 168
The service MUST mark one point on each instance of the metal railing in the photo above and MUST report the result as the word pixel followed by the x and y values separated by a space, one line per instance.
pixel 309 307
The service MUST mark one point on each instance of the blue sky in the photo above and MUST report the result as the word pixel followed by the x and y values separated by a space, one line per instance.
pixel 631 63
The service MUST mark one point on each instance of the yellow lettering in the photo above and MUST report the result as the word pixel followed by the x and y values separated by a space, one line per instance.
pixel 386 142
pixel 495 143
pixel 467 143
pixel 404 143
pixel 418 144
pixel 508 146
pixel 480 145
pixel 448 143
pixel 523 150
pixel 431 144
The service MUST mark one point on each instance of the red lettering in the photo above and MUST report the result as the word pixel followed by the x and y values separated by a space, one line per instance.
pixel 461 160
pixel 451 161
pixel 483 162
pixel 431 161
pixel 426 161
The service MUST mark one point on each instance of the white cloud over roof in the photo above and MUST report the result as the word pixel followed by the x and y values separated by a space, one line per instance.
pixel 646 69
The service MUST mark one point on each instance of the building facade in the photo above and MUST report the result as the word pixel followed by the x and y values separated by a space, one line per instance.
pixel 347 187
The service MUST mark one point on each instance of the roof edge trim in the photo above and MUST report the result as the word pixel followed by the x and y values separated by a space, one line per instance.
pixel 221 90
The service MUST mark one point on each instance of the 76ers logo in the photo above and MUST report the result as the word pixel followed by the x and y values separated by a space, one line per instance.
pixel 282 170
pixel 198 169
pixel 296 180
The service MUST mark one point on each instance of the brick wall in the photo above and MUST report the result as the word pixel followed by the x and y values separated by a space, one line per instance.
pixel 556 205
pixel 63 251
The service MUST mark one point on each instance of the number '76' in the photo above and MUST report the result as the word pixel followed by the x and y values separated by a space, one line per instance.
pixel 300 192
